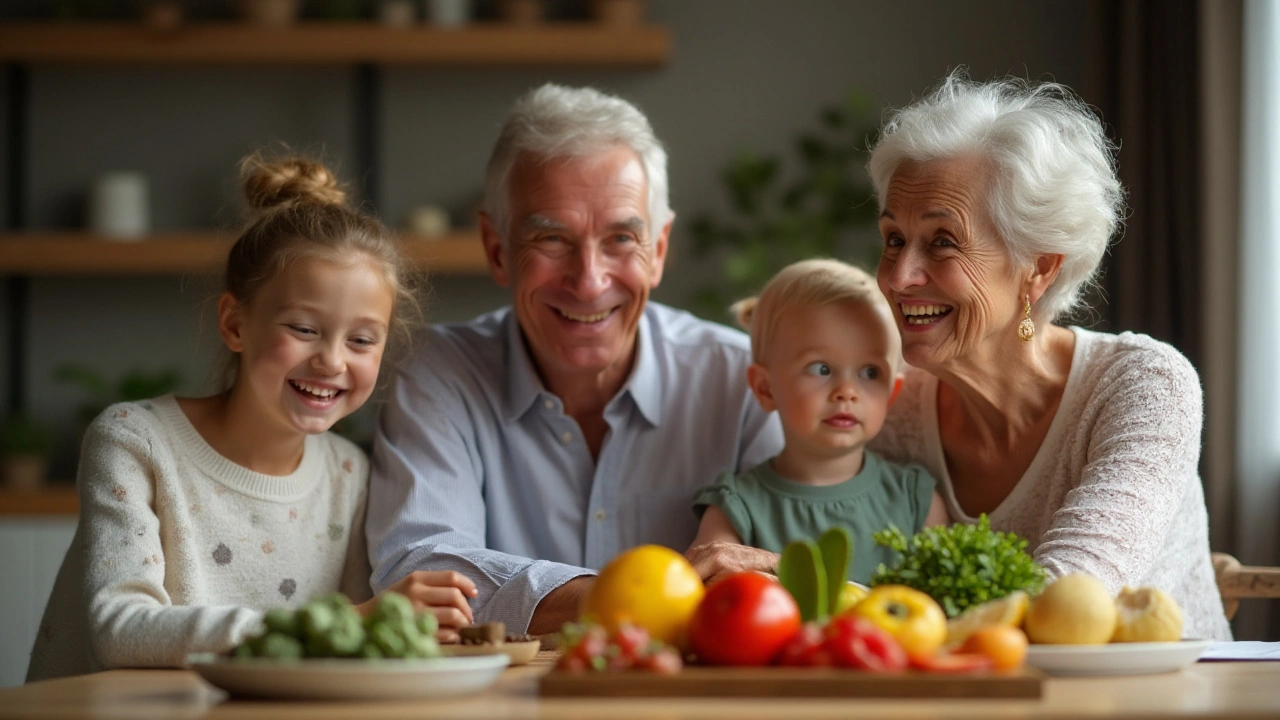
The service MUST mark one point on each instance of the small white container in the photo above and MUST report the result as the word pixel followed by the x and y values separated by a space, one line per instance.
pixel 397 13
pixel 428 221
pixel 448 13
pixel 120 206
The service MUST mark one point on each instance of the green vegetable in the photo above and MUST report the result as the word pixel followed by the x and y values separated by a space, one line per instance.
pixel 801 572
pixel 330 626
pixel 279 646
pixel 836 546
pixel 960 565
pixel 282 621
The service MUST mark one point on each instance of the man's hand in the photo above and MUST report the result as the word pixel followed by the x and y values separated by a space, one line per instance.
pixel 559 606
pixel 717 560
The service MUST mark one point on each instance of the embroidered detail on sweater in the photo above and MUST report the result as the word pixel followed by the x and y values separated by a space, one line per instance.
pixel 222 554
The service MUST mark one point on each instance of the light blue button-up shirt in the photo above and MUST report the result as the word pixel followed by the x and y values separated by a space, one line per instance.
pixel 476 467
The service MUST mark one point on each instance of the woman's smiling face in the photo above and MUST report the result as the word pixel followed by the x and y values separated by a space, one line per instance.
pixel 943 268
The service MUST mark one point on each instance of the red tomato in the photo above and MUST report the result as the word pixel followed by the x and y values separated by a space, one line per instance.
pixel 807 648
pixel 587 651
pixel 744 619
pixel 632 643
pixel 860 644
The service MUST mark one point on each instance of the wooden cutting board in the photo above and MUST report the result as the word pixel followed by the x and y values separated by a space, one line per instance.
pixel 793 682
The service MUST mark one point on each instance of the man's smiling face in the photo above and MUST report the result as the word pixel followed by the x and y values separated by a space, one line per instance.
pixel 581 259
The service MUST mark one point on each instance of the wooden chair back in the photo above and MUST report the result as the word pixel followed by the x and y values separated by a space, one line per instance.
pixel 1236 581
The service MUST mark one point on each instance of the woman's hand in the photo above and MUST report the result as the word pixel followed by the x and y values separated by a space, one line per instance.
pixel 717 560
pixel 441 593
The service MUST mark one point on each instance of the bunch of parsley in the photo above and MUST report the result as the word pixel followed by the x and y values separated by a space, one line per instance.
pixel 960 565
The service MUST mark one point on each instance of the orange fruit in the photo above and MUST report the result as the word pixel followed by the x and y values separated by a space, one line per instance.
pixel 1005 646
pixel 650 586
pixel 1008 610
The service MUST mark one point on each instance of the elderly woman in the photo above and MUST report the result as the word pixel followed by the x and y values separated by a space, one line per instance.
pixel 997 203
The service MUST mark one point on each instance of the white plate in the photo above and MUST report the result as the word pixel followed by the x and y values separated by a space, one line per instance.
pixel 1116 658
pixel 338 679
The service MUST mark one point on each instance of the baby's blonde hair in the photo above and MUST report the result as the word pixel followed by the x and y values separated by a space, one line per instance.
pixel 814 283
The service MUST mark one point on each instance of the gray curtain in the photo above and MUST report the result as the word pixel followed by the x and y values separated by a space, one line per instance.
pixel 1151 278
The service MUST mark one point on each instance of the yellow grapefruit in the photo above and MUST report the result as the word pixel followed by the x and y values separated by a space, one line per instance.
pixel 650 586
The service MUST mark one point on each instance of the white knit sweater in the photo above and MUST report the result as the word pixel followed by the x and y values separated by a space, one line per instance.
pixel 179 550
pixel 1114 490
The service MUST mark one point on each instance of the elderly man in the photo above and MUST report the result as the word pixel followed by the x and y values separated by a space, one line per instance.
pixel 528 447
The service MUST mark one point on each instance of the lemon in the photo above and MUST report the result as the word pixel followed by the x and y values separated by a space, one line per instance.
pixel 1147 615
pixel 649 586
pixel 851 594
pixel 1074 610
pixel 1007 611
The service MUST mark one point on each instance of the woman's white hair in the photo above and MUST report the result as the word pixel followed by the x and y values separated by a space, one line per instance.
pixel 555 121
pixel 1054 187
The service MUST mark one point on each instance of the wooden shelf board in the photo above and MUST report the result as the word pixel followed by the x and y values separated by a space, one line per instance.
pixel 52 499
pixel 479 44
pixel 195 252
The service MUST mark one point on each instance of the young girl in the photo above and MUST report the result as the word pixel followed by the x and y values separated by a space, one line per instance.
pixel 826 357
pixel 198 514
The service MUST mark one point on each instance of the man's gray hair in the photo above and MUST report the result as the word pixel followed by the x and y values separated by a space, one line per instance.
pixel 554 122
pixel 1054 187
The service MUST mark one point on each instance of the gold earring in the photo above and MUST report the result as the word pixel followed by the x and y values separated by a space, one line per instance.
pixel 1026 328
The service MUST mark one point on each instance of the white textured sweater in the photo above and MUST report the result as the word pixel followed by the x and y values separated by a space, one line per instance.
pixel 1114 490
pixel 180 550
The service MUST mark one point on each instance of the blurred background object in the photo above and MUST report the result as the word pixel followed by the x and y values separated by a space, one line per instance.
pixel 120 206
pixel 448 13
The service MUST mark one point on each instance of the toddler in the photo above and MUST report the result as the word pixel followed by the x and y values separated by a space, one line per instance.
pixel 198 514
pixel 826 356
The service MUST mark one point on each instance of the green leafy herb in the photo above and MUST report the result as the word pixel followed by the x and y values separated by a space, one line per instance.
pixel 960 565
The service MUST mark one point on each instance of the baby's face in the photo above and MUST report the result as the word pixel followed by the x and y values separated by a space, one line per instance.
pixel 830 374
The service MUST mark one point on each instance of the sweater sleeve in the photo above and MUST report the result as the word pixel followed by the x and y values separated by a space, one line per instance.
pixel 1143 449
pixel 132 620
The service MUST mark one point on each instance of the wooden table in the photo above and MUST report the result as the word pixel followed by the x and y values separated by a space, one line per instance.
pixel 1207 690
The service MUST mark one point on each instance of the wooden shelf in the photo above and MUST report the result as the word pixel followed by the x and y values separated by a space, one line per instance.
pixel 195 252
pixel 479 44
pixel 52 499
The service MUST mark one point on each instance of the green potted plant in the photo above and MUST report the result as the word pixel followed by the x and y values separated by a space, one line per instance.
pixel 133 385
pixel 821 208
pixel 24 452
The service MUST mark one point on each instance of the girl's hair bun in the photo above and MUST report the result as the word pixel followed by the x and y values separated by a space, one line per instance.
pixel 273 184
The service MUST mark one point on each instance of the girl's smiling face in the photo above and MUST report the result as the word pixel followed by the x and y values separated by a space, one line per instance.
pixel 310 342
pixel 944 269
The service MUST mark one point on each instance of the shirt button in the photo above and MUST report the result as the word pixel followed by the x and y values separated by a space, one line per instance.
pixel 601 515
pixel 567 438
pixel 549 404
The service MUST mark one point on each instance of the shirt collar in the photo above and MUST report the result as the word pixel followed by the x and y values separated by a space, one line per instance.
pixel 525 387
